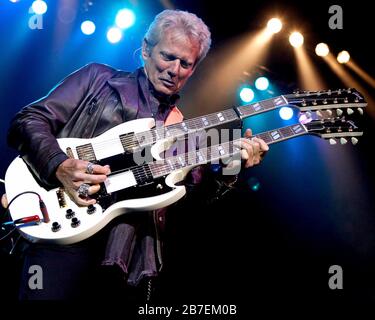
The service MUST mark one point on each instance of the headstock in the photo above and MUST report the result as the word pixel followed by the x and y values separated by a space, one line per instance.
pixel 338 128
pixel 335 102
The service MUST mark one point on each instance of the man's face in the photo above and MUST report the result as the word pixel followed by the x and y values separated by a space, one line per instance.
pixel 171 62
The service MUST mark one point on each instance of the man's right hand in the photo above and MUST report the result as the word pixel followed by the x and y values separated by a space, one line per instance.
pixel 72 173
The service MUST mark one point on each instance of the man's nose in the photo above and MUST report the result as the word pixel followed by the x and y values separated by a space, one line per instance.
pixel 174 68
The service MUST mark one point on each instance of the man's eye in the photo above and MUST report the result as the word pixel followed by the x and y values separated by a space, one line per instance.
pixel 185 65
pixel 167 57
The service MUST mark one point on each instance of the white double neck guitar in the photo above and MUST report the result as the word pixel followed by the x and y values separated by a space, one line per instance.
pixel 140 188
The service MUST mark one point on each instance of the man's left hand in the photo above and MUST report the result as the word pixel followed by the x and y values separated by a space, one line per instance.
pixel 253 150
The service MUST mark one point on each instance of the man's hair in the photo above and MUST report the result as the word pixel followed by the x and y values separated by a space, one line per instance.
pixel 181 22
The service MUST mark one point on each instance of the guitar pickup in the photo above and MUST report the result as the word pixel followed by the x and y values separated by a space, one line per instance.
pixel 61 197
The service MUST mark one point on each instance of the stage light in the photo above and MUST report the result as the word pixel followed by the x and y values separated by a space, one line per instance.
pixel 246 94
pixel 39 7
pixel 262 83
pixel 296 39
pixel 88 27
pixel 321 49
pixel 114 35
pixel 125 18
pixel 343 57
pixel 274 25
pixel 253 183
pixel 14 1
pixel 286 113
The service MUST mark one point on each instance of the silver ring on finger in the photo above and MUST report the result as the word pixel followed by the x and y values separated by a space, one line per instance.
pixel 83 190
pixel 90 168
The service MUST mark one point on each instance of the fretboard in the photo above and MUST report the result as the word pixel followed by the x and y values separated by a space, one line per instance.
pixel 186 127
pixel 209 121
pixel 261 106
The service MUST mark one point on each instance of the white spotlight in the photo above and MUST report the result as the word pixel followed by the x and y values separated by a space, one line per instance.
pixel 321 49
pixel 343 57
pixel 88 27
pixel 114 35
pixel 296 39
pixel 39 7
pixel 274 25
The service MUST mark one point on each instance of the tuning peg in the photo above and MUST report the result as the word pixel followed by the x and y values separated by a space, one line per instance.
pixel 304 104
pixel 339 91
pixel 325 101
pixel 339 112
pixel 343 141
pixel 332 141
pixel 350 111
pixel 335 100
pixel 346 100
pixel 314 102
pixel 360 110
pixel 356 99
pixel 329 92
pixel 354 140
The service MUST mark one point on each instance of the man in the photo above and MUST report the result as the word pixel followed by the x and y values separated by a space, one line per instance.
pixel 85 104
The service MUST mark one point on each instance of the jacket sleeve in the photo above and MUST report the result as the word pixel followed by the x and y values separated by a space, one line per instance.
pixel 34 129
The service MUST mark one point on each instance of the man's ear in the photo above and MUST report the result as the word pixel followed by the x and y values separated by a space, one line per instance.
pixel 146 50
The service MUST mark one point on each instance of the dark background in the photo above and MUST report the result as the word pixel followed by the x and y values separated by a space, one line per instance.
pixel 314 207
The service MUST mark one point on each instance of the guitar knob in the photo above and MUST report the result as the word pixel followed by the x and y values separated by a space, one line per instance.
pixel 360 110
pixel 350 111
pixel 319 114
pixel 339 112
pixel 91 209
pixel 354 140
pixel 332 141
pixel 343 141
pixel 70 214
pixel 75 223
pixel 56 226
pixel 329 111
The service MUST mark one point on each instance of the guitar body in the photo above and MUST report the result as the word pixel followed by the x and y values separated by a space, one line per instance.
pixel 70 223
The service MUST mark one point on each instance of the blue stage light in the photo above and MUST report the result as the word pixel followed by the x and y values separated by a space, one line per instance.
pixel 262 83
pixel 114 35
pixel 286 113
pixel 39 7
pixel 88 27
pixel 246 94
pixel 125 18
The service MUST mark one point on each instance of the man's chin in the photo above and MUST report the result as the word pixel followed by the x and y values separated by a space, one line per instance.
pixel 165 90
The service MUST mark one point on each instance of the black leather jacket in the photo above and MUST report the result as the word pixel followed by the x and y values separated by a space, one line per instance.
pixel 85 104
